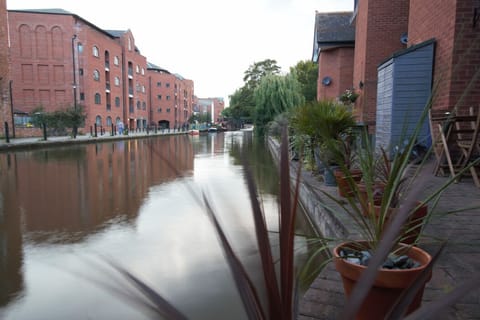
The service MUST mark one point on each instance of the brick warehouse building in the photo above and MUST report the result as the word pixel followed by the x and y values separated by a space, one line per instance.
pixel 388 29
pixel 61 61
pixel 5 106
pixel 171 97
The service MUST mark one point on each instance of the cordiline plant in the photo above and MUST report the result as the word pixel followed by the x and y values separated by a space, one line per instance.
pixel 281 288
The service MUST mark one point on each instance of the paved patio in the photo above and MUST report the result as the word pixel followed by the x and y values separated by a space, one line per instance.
pixel 459 261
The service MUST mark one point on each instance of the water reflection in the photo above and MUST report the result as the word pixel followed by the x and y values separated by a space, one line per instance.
pixel 128 200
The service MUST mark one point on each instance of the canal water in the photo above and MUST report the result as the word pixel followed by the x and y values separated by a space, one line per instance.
pixel 65 211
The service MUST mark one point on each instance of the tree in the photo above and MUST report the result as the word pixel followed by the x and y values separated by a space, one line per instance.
pixel 258 70
pixel 60 120
pixel 275 95
pixel 307 74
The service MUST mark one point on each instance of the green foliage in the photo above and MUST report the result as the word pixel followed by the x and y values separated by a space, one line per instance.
pixel 201 118
pixel 307 74
pixel 59 120
pixel 275 95
pixel 258 71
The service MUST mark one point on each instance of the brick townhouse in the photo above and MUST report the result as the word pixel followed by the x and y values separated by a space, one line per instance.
pixel 60 60
pixel 415 46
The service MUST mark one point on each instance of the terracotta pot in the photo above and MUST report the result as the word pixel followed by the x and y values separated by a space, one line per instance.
pixel 344 188
pixel 388 285
pixel 414 224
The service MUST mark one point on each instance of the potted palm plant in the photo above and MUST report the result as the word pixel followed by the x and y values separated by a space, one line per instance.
pixel 327 123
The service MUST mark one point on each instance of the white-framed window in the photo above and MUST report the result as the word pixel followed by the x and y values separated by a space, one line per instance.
pixel 80 47
pixel 138 69
pixel 143 71
pixel 115 60
pixel 143 89
pixel 129 44
pixel 96 75
pixel 95 51
pixel 117 81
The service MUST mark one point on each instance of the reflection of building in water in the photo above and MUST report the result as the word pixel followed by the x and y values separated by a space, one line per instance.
pixel 11 277
pixel 69 192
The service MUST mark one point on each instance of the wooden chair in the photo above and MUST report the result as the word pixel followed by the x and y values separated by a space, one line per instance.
pixel 468 141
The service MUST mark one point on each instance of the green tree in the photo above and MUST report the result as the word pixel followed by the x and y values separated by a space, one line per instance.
pixel 59 120
pixel 307 74
pixel 275 95
pixel 258 70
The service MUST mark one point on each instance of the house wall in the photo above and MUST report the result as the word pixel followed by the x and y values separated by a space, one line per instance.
pixel 162 96
pixel 457 53
pixel 337 64
pixel 5 110
pixel 379 25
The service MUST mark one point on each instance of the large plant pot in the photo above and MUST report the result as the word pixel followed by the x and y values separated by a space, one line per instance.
pixel 388 285
pixel 414 224
pixel 343 181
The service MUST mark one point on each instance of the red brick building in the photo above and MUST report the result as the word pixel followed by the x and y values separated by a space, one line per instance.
pixel 60 60
pixel 334 41
pixel 171 98
pixel 384 29
pixel 5 106
pixel 211 106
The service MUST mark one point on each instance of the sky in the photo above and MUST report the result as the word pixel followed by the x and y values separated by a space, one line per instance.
pixel 212 42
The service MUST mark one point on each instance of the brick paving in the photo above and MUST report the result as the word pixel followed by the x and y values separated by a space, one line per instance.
pixel 458 262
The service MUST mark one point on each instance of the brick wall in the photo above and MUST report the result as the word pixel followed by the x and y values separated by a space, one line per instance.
pixel 338 65
pixel 5 110
pixel 379 26
pixel 457 56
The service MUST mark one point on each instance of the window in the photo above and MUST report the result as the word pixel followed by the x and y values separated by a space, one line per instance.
pixel 95 51
pixel 129 44
pixel 167 85
pixel 82 96
pixel 80 71
pixel 117 101
pixel 159 84
pixel 168 97
pixel 138 105
pixel 117 81
pixel 143 89
pixel 115 60
pixel 98 98
pixel 159 110
pixel 98 120
pixel 144 105
pixel 96 75
pixel 80 48
pixel 117 120
pixel 159 97
pixel 109 121
pixel 137 69
pixel 143 71
pixel 168 110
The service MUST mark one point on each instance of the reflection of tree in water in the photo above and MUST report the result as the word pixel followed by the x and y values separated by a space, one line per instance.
pixel 60 154
pixel 254 150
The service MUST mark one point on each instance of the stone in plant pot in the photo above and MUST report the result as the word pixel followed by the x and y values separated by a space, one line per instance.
pixel 389 283
pixel 343 183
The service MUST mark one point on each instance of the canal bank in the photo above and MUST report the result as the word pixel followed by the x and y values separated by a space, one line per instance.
pixel 38 142
pixel 459 262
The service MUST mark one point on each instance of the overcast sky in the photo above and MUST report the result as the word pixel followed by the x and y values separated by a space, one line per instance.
pixel 211 42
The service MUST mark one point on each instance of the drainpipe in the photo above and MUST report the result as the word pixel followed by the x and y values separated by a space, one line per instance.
pixel 11 106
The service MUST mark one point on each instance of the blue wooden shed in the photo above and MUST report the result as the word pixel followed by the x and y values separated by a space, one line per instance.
pixel 403 90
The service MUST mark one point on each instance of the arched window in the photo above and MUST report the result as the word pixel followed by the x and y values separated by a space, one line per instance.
pixel 117 101
pixel 109 121
pixel 117 121
pixel 96 75
pixel 98 120
pixel 144 106
pixel 98 98
pixel 138 105
pixel 95 51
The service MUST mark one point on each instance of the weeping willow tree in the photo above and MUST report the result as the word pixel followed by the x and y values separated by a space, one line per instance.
pixel 275 95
